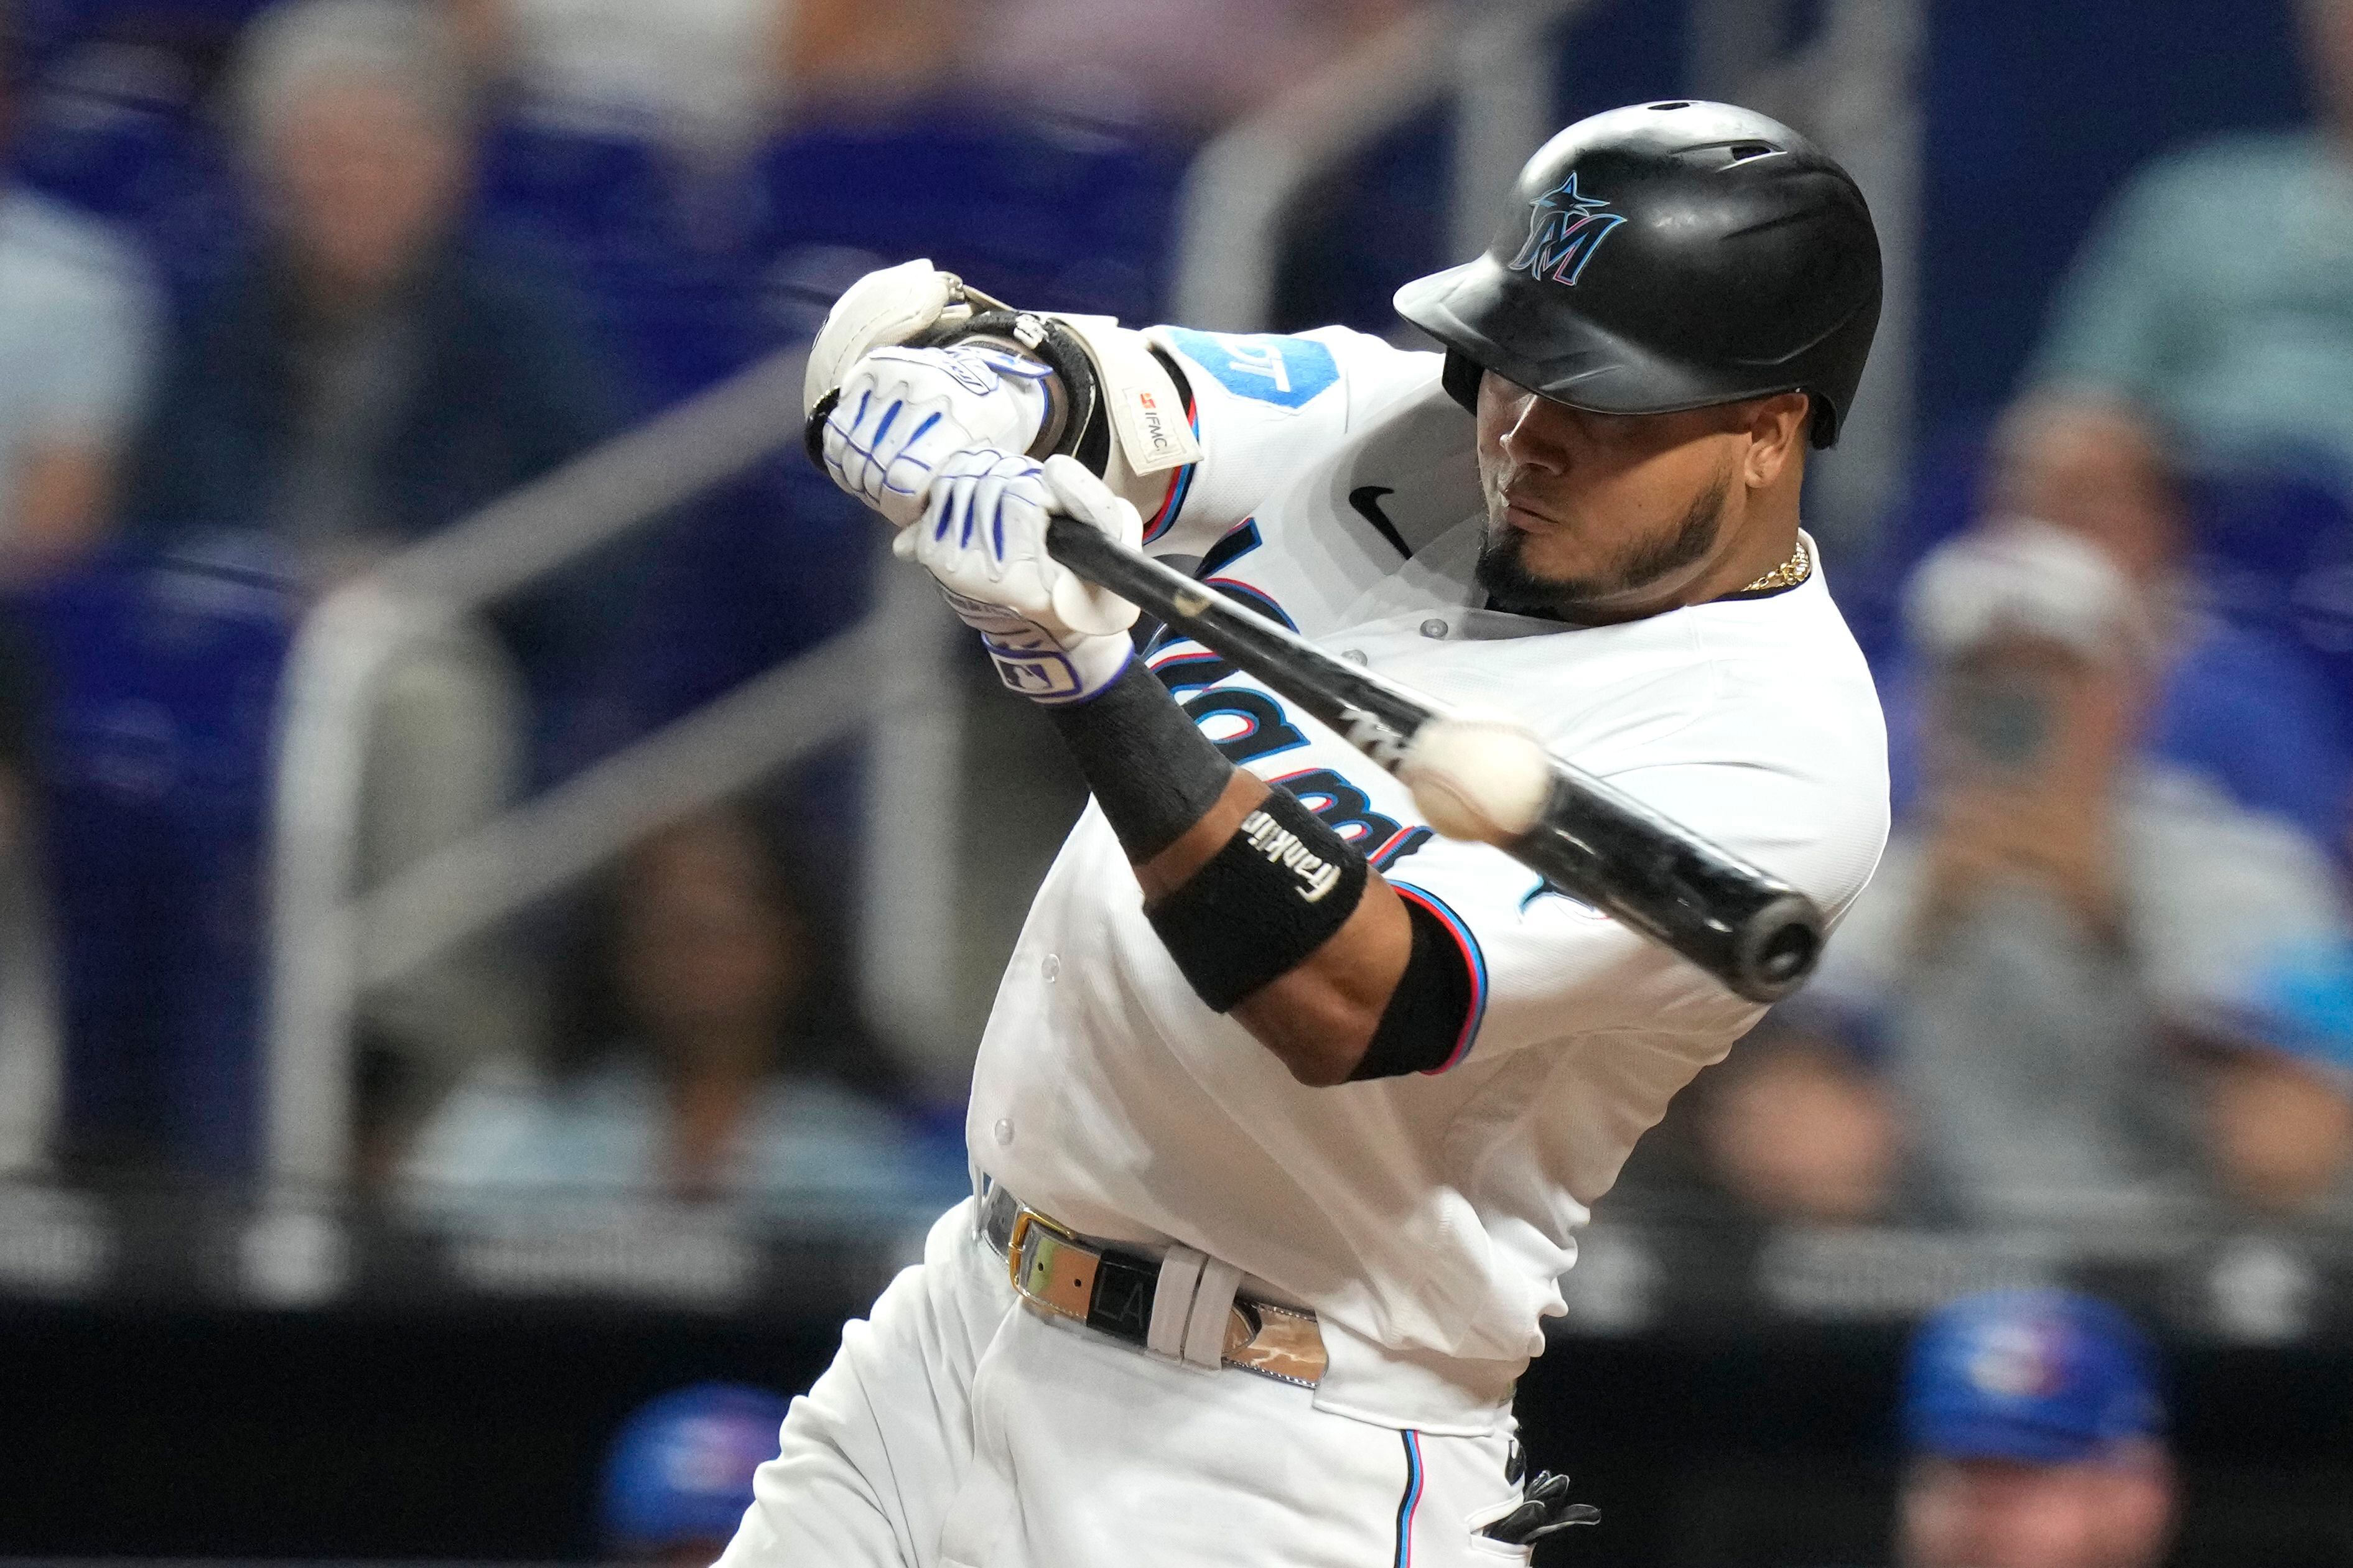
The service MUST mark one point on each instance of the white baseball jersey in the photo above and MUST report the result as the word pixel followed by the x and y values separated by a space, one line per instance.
pixel 1425 1218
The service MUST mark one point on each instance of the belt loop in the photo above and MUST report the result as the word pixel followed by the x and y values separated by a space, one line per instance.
pixel 1172 1300
pixel 1213 1303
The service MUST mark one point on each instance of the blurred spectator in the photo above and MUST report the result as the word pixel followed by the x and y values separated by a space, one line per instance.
pixel 711 1053
pixel 1799 1125
pixel 844 56
pixel 2279 1128
pixel 1797 1130
pixel 678 1475
pixel 369 376
pixel 2036 1430
pixel 2061 915
pixel 2218 289
pixel 78 311
pixel 79 315
pixel 1194 64
pixel 704 78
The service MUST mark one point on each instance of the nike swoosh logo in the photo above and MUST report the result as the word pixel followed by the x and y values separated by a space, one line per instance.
pixel 1366 499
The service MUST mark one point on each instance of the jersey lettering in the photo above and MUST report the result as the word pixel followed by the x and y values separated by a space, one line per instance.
pixel 1239 542
pixel 1346 811
pixel 1249 726
pixel 1231 546
pixel 1283 371
pixel 1544 889
pixel 1185 672
pixel 1244 725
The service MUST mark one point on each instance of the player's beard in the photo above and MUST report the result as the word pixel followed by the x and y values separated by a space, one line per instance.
pixel 1503 570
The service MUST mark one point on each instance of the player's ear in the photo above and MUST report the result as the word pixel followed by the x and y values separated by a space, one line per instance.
pixel 1777 436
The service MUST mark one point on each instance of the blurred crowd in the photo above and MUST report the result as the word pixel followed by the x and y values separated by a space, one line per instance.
pixel 2104 971
pixel 287 288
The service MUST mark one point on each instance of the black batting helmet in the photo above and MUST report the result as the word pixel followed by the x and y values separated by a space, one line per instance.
pixel 1665 256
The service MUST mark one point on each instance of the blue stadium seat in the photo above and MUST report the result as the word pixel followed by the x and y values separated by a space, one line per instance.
pixel 1937 499
pixel 116 131
pixel 159 683
pixel 676 297
pixel 2276 549
pixel 1038 212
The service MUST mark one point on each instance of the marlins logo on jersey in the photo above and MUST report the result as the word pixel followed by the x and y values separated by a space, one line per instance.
pixel 1564 228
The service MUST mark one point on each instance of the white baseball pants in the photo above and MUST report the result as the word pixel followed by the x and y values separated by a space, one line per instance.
pixel 958 1429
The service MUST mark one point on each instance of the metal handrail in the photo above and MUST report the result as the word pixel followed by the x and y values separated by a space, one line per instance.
pixel 1245 184
pixel 1852 89
pixel 31 1056
pixel 328 945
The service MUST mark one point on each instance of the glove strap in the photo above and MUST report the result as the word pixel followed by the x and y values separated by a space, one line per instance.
pixel 1085 434
pixel 1045 672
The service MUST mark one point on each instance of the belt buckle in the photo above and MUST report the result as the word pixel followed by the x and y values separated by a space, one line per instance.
pixel 1048 1265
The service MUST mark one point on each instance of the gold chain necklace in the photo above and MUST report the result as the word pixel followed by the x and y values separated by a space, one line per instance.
pixel 1788 574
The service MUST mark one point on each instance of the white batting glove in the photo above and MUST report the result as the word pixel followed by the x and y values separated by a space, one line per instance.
pixel 902 411
pixel 1053 635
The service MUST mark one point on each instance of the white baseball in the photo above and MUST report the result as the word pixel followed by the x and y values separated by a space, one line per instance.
pixel 1478 778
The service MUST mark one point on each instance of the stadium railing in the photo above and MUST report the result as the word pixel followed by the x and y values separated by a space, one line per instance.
pixel 330 942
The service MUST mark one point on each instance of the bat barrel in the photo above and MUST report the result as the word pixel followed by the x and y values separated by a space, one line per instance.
pixel 1757 934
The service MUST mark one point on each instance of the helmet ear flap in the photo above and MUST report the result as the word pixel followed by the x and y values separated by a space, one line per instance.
pixel 1821 419
pixel 1460 378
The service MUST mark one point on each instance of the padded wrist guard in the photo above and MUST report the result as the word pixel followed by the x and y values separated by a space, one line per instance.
pixel 1277 891
pixel 1153 773
pixel 1121 404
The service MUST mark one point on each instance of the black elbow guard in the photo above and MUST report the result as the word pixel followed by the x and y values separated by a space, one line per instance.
pixel 1430 1011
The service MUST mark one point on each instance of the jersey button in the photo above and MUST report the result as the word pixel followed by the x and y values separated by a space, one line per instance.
pixel 1355 656
pixel 1433 627
pixel 1002 1132
pixel 1051 968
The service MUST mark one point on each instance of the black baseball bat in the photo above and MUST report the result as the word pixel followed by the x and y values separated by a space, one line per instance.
pixel 1753 931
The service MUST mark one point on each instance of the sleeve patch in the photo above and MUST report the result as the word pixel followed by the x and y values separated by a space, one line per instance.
pixel 1261 366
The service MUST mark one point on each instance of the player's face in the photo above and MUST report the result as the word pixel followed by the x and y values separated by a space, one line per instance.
pixel 1602 516
pixel 1990 1513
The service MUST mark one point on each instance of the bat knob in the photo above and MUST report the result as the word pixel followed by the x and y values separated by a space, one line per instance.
pixel 1776 947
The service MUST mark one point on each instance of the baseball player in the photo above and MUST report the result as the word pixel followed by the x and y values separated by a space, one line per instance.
pixel 1289 1111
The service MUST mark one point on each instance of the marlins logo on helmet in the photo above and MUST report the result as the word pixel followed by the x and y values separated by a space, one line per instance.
pixel 1564 228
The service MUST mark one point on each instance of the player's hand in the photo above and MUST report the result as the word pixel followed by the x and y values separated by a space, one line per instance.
pixel 902 411
pixel 1053 635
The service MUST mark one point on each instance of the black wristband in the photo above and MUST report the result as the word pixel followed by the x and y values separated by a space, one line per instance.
pixel 1153 773
pixel 1277 891
pixel 1423 1023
